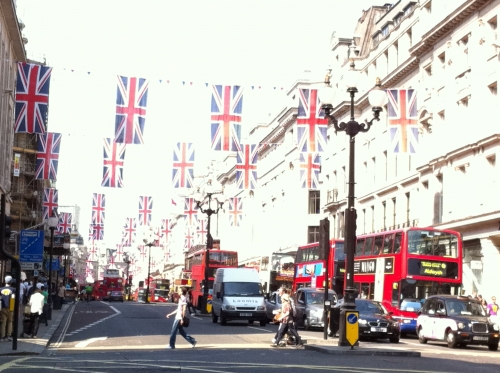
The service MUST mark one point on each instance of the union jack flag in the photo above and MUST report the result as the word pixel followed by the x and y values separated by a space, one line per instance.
pixel 47 157
pixel 129 230
pixel 183 166
pixel 235 211
pixel 97 232
pixel 93 253
pixel 114 159
pixel 226 110
pixel 64 225
pixel 190 211
pixel 131 101
pixel 402 115
pixel 119 253
pixel 246 166
pixel 311 123
pixel 50 202
pixel 310 165
pixel 142 251
pixel 32 97
pixel 89 269
pixel 145 210
pixel 98 206
pixel 201 231
pixel 111 262
pixel 188 237
pixel 167 225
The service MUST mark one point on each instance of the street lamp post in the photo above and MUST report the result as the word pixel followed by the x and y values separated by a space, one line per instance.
pixel 199 199
pixel 126 260
pixel 377 98
pixel 149 240
pixel 52 223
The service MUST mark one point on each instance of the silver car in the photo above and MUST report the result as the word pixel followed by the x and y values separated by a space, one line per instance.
pixel 309 303
pixel 273 302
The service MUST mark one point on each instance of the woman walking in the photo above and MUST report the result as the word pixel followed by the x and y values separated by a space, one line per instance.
pixel 180 312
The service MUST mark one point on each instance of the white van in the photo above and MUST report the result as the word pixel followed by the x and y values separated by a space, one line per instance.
pixel 237 296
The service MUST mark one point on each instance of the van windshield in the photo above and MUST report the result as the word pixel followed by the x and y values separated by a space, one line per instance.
pixel 236 289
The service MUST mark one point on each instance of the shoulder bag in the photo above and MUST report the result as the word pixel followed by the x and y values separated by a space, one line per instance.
pixel 185 322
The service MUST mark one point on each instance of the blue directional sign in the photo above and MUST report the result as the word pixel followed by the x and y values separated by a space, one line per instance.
pixel 31 246
pixel 55 264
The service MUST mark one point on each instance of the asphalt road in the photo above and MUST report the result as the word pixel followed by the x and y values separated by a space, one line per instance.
pixel 129 337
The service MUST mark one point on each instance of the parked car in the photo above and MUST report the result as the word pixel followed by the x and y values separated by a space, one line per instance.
pixel 309 303
pixel 273 302
pixel 116 296
pixel 457 321
pixel 375 322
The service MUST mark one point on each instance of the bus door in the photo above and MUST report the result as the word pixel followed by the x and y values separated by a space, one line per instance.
pixel 379 280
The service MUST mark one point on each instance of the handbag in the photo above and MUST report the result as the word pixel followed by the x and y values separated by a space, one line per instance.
pixel 27 309
pixel 185 321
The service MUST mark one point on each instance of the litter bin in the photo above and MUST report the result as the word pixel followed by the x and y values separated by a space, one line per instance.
pixel 334 321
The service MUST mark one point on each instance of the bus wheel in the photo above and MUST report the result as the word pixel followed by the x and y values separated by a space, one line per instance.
pixel 214 317
pixel 421 338
pixel 223 318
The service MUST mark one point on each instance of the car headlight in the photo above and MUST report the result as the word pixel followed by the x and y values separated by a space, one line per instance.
pixel 495 327
pixel 395 325
pixel 230 308
pixel 460 325
pixel 261 308
pixel 362 321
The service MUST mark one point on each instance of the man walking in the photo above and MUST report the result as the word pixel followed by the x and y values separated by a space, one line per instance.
pixel 6 293
pixel 178 322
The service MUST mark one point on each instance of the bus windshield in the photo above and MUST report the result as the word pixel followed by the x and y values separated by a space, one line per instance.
pixel 427 242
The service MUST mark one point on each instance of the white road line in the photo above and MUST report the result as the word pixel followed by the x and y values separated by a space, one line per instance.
pixel 88 341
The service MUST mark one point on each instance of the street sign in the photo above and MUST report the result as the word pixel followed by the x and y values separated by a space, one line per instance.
pixel 31 246
pixel 55 264
pixel 35 273
pixel 351 327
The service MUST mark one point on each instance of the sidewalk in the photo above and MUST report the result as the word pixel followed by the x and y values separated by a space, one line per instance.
pixel 29 346
pixel 330 346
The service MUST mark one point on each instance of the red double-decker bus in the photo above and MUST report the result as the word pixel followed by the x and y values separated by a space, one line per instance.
pixel 401 268
pixel 195 263
pixel 310 264
pixel 111 281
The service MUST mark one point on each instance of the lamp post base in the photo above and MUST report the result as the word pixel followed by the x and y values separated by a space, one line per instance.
pixel 349 305
pixel 202 304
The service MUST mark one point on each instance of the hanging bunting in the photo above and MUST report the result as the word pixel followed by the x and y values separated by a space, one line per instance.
pixel 47 157
pixel 402 115
pixel 131 102
pixel 183 165
pixel 50 202
pixel 190 211
pixel 311 123
pixel 226 110
pixel 98 206
pixel 188 237
pixel 201 231
pixel 114 159
pixel 97 232
pixel 32 98
pixel 235 211
pixel 246 166
pixel 145 210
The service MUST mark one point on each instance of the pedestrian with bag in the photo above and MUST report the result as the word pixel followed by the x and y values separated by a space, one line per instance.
pixel 6 293
pixel 36 309
pixel 178 325
pixel 286 323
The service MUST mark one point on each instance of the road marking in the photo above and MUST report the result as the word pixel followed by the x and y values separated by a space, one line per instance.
pixel 12 363
pixel 89 341
pixel 261 329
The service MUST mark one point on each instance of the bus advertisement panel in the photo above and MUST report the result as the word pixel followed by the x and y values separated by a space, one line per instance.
pixel 401 268
pixel 195 260
pixel 310 265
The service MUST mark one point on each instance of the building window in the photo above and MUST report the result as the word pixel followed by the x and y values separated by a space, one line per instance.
pixel 385 31
pixel 373 219
pixel 407 207
pixel 394 212
pixel 312 234
pixel 384 217
pixel 314 202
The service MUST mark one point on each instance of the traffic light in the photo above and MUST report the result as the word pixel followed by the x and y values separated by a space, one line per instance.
pixel 8 222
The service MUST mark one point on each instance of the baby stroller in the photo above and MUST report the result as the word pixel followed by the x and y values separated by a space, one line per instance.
pixel 25 333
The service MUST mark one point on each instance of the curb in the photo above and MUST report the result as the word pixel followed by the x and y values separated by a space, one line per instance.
pixel 360 351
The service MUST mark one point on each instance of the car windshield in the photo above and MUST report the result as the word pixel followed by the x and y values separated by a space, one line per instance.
pixel 318 297
pixel 412 305
pixel 242 289
pixel 367 306
pixel 464 307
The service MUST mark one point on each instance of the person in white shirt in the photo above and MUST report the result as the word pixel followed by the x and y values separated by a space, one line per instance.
pixel 36 303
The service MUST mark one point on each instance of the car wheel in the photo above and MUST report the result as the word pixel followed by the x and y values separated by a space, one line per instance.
pixel 451 340
pixel 493 347
pixel 250 321
pixel 223 318
pixel 421 338
pixel 214 317
pixel 394 339
pixel 263 322
pixel 306 324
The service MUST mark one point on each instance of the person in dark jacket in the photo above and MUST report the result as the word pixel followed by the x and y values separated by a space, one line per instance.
pixel 6 293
